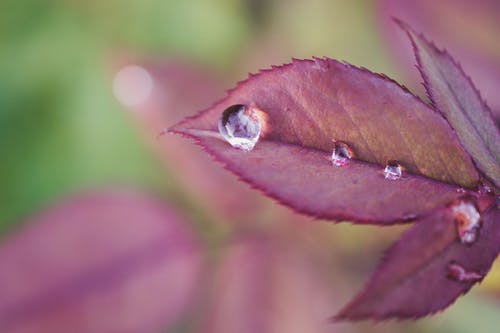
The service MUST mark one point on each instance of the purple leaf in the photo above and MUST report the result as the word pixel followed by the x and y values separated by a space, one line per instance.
pixel 100 262
pixel 454 95
pixel 468 29
pixel 428 268
pixel 309 103
pixel 311 185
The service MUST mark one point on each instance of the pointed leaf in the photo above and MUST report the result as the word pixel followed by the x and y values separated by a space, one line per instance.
pixel 471 38
pixel 179 89
pixel 109 261
pixel 415 277
pixel 454 95
pixel 308 104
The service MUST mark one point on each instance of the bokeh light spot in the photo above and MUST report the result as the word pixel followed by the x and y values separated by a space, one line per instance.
pixel 132 85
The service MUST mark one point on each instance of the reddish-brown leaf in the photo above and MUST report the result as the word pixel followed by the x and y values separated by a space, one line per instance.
pixel 416 276
pixel 309 103
pixel 108 261
pixel 454 95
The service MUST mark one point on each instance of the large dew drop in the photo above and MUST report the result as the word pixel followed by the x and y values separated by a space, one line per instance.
pixel 467 220
pixel 341 154
pixel 458 273
pixel 393 170
pixel 240 126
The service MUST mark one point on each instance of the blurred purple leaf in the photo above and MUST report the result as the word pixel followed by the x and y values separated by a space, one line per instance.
pixel 427 269
pixel 455 96
pixel 267 283
pixel 468 29
pixel 108 261
pixel 309 103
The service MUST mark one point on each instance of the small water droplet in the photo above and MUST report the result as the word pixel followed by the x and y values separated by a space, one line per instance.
pixel 485 189
pixel 461 190
pixel 240 126
pixel 458 273
pixel 393 170
pixel 341 154
pixel 409 217
pixel 467 220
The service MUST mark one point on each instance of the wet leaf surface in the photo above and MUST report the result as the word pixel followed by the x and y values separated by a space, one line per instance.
pixel 308 104
pixel 109 261
pixel 454 95
pixel 420 274
pixel 306 180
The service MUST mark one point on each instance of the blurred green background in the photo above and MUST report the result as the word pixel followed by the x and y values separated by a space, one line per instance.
pixel 62 130
pixel 61 127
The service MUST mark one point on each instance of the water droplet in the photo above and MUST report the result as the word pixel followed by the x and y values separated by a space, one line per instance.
pixel 485 189
pixel 461 190
pixel 341 154
pixel 409 217
pixel 458 273
pixel 393 170
pixel 467 220
pixel 240 126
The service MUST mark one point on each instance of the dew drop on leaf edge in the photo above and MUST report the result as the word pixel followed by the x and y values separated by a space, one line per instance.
pixel 341 154
pixel 467 220
pixel 240 126
pixel 458 273
pixel 393 170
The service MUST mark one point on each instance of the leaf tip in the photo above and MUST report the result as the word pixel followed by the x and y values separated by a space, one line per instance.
pixel 175 129
pixel 402 24
pixel 342 316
